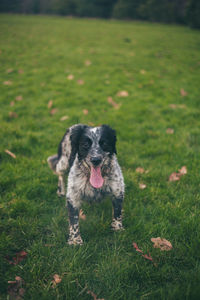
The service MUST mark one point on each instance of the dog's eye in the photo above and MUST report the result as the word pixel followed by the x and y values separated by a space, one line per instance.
pixel 86 144
pixel 103 144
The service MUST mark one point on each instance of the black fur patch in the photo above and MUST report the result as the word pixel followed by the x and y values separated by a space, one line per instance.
pixel 108 139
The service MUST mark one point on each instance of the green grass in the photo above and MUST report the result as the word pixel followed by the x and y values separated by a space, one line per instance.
pixel 48 49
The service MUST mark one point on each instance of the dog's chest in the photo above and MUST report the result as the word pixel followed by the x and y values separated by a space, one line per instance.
pixel 80 188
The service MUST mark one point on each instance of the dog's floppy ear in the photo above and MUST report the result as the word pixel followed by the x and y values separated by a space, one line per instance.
pixel 110 134
pixel 68 148
pixel 52 162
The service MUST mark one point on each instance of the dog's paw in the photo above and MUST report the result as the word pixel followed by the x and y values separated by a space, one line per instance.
pixel 117 224
pixel 75 240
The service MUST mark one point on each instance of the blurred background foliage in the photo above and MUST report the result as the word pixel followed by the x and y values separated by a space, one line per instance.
pixel 167 11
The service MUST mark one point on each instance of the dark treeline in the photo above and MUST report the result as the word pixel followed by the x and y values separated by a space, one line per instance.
pixel 168 11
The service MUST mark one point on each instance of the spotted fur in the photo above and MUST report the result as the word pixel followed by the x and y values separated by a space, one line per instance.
pixel 81 147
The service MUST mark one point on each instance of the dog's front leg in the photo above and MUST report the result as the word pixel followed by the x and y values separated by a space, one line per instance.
pixel 74 232
pixel 117 214
pixel 61 185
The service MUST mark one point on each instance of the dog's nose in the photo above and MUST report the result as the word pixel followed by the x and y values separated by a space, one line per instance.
pixel 95 160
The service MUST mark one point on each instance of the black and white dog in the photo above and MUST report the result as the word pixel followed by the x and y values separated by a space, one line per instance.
pixel 88 154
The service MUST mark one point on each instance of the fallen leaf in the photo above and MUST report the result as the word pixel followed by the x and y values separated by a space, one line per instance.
pixel 143 255
pixel 10 153
pixel 15 289
pixel 50 103
pixel 82 215
pixel 13 114
pixel 169 130
pixel 9 70
pixel 20 71
pixel 163 244
pixel 113 103
pixel 122 94
pixel 70 77
pixel 136 248
pixel 183 92
pixel 17 258
pixel 88 62
pixel 80 81
pixel 175 176
pixel 93 295
pixel 143 72
pixel 19 98
pixel 64 118
pixel 56 280
pixel 140 170
pixel 85 111
pixel 8 82
pixel 53 111
pixel 183 170
pixel 147 257
pixel 12 103
pixel 140 86
pixel 42 84
pixel 142 186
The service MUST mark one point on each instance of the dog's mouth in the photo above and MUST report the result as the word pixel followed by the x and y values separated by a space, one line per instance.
pixel 96 179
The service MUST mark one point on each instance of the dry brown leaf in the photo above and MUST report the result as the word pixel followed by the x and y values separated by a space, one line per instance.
pixel 183 92
pixel 183 170
pixel 56 280
pixel 50 103
pixel 142 186
pixel 12 103
pixel 88 62
pixel 10 153
pixel 113 103
pixel 176 176
pixel 80 81
pixel 140 170
pixel 17 258
pixel 15 289
pixel 64 118
pixel 70 77
pixel 13 114
pixel 19 98
pixel 94 295
pixel 144 255
pixel 82 215
pixel 122 94
pixel 85 111
pixel 163 244
pixel 20 71
pixel 8 82
pixel 136 248
pixel 9 70
pixel 169 130
pixel 143 72
pixel 53 111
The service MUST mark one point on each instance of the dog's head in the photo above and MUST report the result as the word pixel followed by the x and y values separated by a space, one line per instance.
pixel 95 146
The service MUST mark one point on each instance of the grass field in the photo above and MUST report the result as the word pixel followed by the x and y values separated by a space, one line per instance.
pixel 158 127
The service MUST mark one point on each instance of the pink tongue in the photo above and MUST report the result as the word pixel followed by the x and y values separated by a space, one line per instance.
pixel 96 179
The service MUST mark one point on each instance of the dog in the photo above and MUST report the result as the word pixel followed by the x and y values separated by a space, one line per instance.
pixel 88 155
